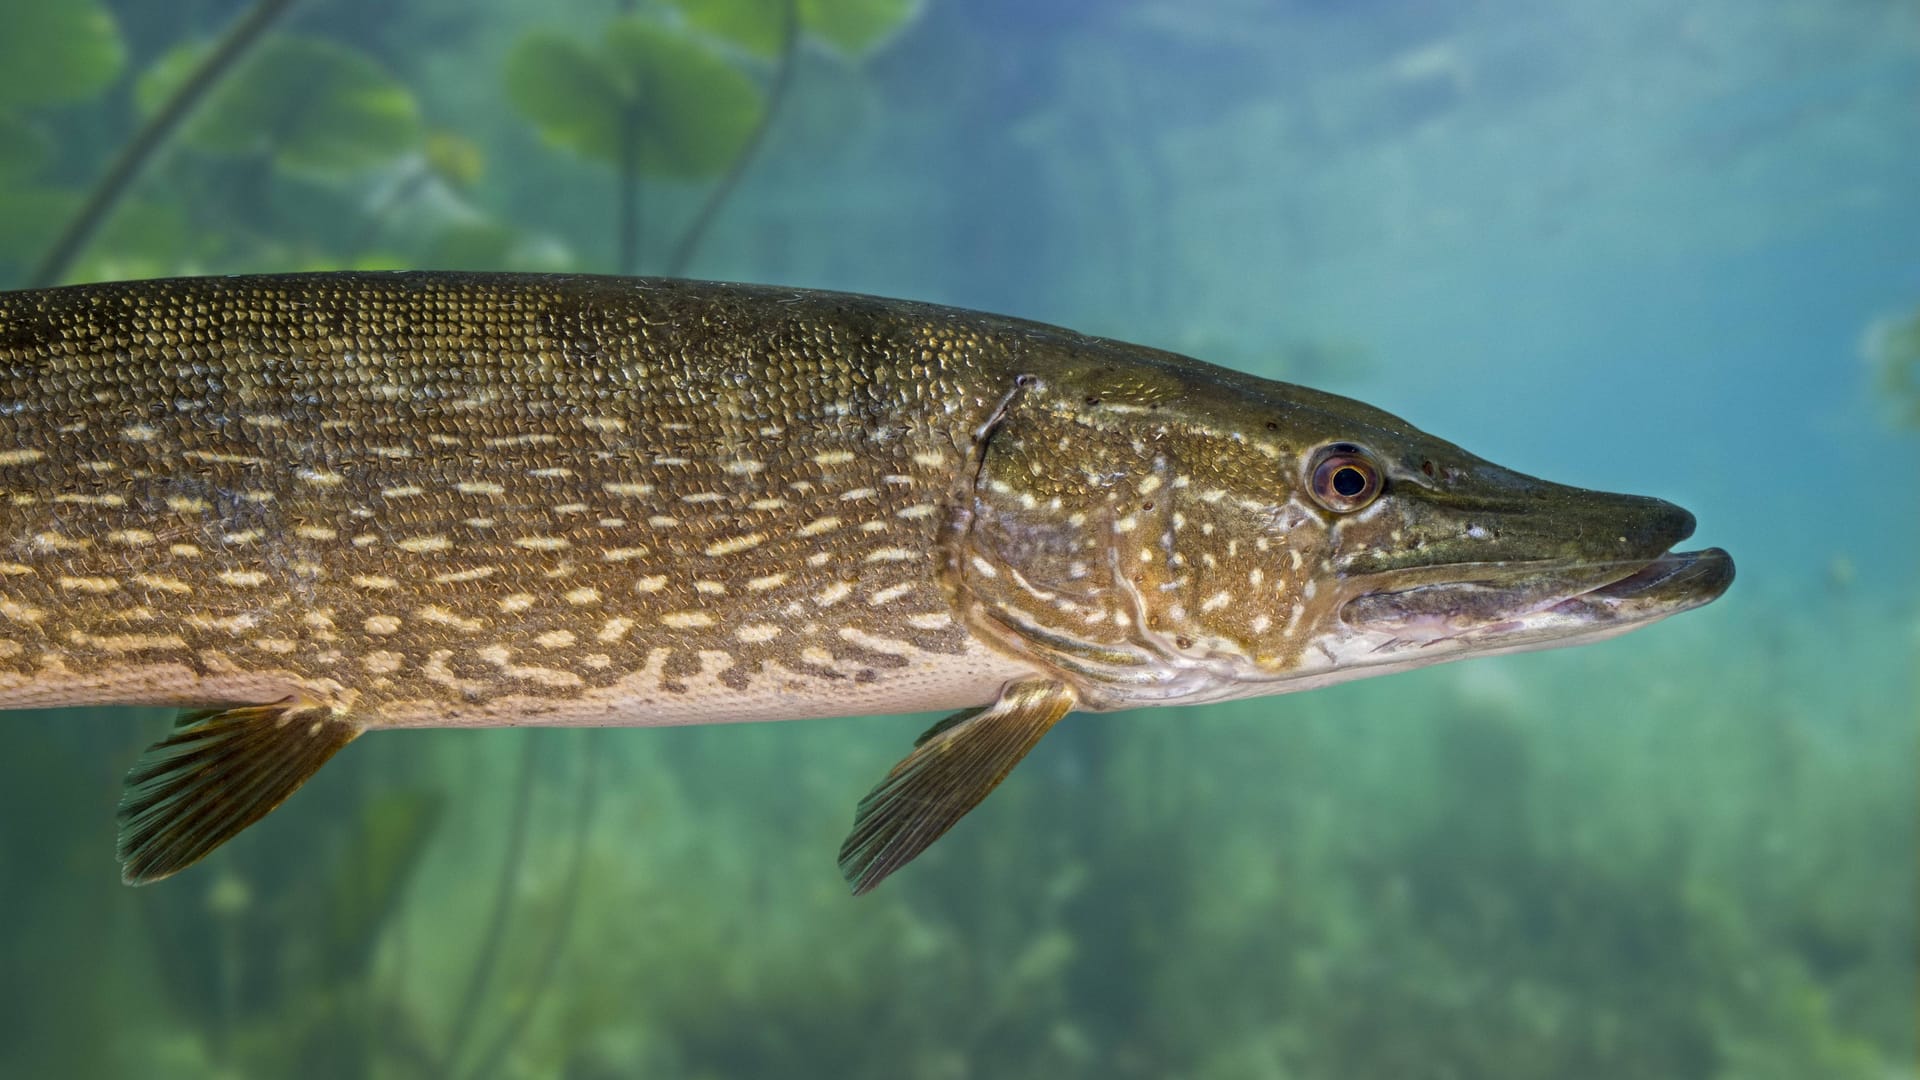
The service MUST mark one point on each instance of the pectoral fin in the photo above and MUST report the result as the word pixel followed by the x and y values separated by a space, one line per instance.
pixel 220 771
pixel 953 766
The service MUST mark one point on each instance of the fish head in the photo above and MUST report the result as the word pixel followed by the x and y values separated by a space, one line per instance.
pixel 1164 530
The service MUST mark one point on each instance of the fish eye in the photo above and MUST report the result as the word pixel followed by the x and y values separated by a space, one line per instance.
pixel 1344 479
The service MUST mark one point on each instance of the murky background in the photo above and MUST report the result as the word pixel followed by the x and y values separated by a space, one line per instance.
pixel 1667 248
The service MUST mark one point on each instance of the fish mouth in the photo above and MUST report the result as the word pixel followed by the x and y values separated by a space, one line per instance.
pixel 1510 607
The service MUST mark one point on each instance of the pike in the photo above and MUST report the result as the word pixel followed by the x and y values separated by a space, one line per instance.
pixel 304 507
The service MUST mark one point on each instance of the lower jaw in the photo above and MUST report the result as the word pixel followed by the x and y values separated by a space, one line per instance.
pixel 1676 581
pixel 1668 584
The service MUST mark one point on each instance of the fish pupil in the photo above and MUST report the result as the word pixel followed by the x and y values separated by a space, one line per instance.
pixel 1349 481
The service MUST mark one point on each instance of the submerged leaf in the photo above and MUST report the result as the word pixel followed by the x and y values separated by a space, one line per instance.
pixel 851 27
pixel 856 27
pixel 753 25
pixel 691 112
pixel 567 90
pixel 140 235
pixel 312 106
pixel 56 50
pixel 23 147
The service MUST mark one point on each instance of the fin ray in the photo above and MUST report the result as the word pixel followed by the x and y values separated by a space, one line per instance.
pixel 220 771
pixel 951 769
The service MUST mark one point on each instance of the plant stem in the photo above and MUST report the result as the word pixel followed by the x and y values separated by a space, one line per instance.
pixel 626 194
pixel 490 944
pixel 106 195
pixel 627 230
pixel 569 906
pixel 683 252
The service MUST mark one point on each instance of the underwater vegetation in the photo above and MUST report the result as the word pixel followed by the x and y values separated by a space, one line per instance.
pixel 280 136
pixel 1388 893
pixel 1893 352
pixel 1688 855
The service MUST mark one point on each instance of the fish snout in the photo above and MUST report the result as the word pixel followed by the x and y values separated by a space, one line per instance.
pixel 1659 525
pixel 1583 525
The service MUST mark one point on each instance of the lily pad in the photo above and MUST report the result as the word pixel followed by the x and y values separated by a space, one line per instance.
pixel 56 50
pixel 315 107
pixel 851 27
pixel 23 147
pixel 751 25
pixel 856 27
pixel 691 110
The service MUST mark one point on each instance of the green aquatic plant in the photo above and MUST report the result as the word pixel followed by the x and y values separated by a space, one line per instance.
pixel 310 107
pixel 857 27
pixel 143 237
pixel 676 94
pixel 24 146
pixel 774 28
pixel 650 100
pixel 58 927
pixel 523 1006
pixel 454 159
pixel 292 142
pixel 57 52
pixel 483 244
pixel 132 157
pixel 1893 351
pixel 668 99
pixel 1412 885
pixel 853 28
pixel 456 165
pixel 379 858
pixel 691 111
pixel 274 960
pixel 487 957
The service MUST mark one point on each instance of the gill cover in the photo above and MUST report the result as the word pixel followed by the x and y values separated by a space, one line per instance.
pixel 1103 541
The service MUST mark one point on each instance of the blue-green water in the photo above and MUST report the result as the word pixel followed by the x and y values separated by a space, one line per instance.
pixel 1635 245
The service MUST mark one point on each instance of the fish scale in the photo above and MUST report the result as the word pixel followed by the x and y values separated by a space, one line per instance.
pixel 463 501
pixel 304 507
